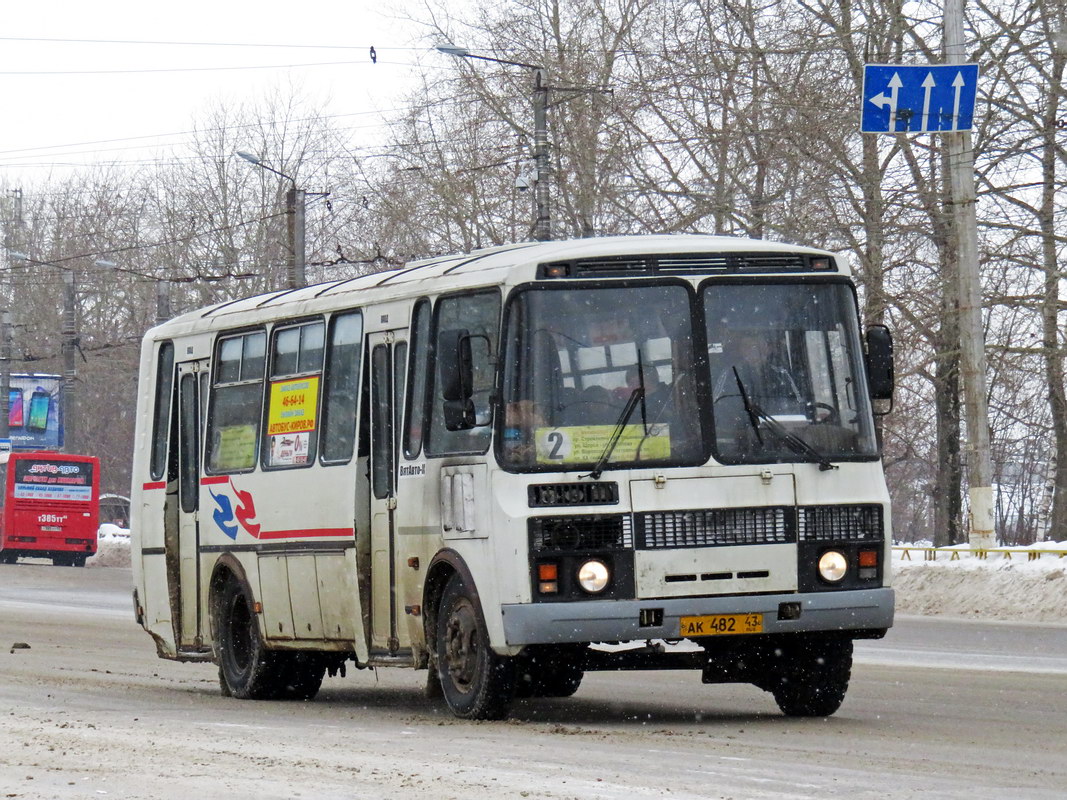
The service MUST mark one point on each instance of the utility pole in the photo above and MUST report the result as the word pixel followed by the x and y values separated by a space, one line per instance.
pixel 163 312
pixel 12 229
pixel 5 373
pixel 542 212
pixel 972 343
pixel 70 372
pixel 295 204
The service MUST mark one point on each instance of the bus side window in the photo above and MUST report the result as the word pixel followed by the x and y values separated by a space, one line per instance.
pixel 236 402
pixel 418 369
pixel 293 396
pixel 161 413
pixel 341 387
pixel 479 314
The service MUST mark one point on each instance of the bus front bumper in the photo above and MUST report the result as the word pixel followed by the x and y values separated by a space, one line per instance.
pixel 863 611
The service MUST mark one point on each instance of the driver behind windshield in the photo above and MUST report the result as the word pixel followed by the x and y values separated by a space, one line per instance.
pixel 757 360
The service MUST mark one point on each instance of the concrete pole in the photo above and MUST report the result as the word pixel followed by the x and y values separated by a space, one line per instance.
pixel 972 342
pixel 70 372
pixel 5 373
pixel 542 211
pixel 295 204
pixel 163 312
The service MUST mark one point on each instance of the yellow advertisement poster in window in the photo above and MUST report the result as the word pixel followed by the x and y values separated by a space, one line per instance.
pixel 293 404
pixel 583 444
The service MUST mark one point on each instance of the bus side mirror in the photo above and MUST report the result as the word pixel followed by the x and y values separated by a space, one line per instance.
pixel 457 378
pixel 880 373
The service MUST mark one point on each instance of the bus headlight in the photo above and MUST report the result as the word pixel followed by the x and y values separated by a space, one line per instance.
pixel 593 576
pixel 832 566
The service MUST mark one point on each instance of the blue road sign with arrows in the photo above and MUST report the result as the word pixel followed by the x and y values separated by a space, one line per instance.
pixel 922 99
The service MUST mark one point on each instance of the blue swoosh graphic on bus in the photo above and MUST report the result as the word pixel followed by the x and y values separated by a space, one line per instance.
pixel 224 514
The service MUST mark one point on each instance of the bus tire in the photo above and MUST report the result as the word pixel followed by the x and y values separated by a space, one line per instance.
pixel 815 678
pixel 247 669
pixel 78 560
pixel 476 682
pixel 8 556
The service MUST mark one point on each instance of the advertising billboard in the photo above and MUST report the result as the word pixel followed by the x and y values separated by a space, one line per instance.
pixel 34 415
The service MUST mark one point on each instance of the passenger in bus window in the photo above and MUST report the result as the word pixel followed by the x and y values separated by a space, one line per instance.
pixel 657 393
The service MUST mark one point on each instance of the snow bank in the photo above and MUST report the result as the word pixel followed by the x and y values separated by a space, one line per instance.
pixel 112 547
pixel 997 587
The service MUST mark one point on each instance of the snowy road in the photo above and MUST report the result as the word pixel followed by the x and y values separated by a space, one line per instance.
pixel 956 643
pixel 939 709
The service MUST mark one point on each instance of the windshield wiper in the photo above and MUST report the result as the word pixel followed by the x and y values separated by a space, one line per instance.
pixel 750 408
pixel 636 396
pixel 757 415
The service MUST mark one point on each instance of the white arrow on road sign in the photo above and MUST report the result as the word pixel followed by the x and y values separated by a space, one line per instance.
pixel 928 85
pixel 957 84
pixel 890 100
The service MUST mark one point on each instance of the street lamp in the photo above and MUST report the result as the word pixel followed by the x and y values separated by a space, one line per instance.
pixel 542 212
pixel 295 203
pixel 70 348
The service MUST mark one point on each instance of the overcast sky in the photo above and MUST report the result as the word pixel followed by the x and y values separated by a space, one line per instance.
pixel 75 102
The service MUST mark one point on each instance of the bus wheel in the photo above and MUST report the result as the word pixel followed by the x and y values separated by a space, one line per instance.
pixel 476 682
pixel 814 679
pixel 247 670
pixel 550 671
pixel 61 561
pixel 78 560
pixel 8 557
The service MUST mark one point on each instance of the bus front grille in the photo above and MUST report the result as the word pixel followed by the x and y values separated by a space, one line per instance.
pixel 840 523
pixel 715 527
pixel 581 532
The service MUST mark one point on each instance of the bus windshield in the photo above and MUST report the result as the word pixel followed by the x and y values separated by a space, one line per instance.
pixel 575 357
pixel 786 374
pixel 785 382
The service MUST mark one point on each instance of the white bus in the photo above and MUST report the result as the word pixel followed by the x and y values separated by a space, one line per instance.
pixel 517 465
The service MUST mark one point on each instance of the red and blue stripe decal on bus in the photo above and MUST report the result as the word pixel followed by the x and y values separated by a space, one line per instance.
pixel 230 518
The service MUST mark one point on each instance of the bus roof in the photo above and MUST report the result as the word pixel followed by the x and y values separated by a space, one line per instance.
pixel 481 264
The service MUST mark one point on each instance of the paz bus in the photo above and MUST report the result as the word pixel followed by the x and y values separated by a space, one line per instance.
pixel 50 507
pixel 491 465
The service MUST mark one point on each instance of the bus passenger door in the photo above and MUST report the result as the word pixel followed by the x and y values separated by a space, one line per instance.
pixel 190 422
pixel 388 354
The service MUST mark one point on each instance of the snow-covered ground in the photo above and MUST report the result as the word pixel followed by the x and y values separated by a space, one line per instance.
pixel 112 547
pixel 1004 585
pixel 996 587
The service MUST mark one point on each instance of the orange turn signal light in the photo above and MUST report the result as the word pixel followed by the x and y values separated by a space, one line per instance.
pixel 868 558
pixel 547 572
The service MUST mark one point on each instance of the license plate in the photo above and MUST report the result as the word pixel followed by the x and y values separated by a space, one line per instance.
pixel 721 625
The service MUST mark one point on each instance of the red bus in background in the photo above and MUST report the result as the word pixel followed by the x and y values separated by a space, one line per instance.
pixel 50 507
